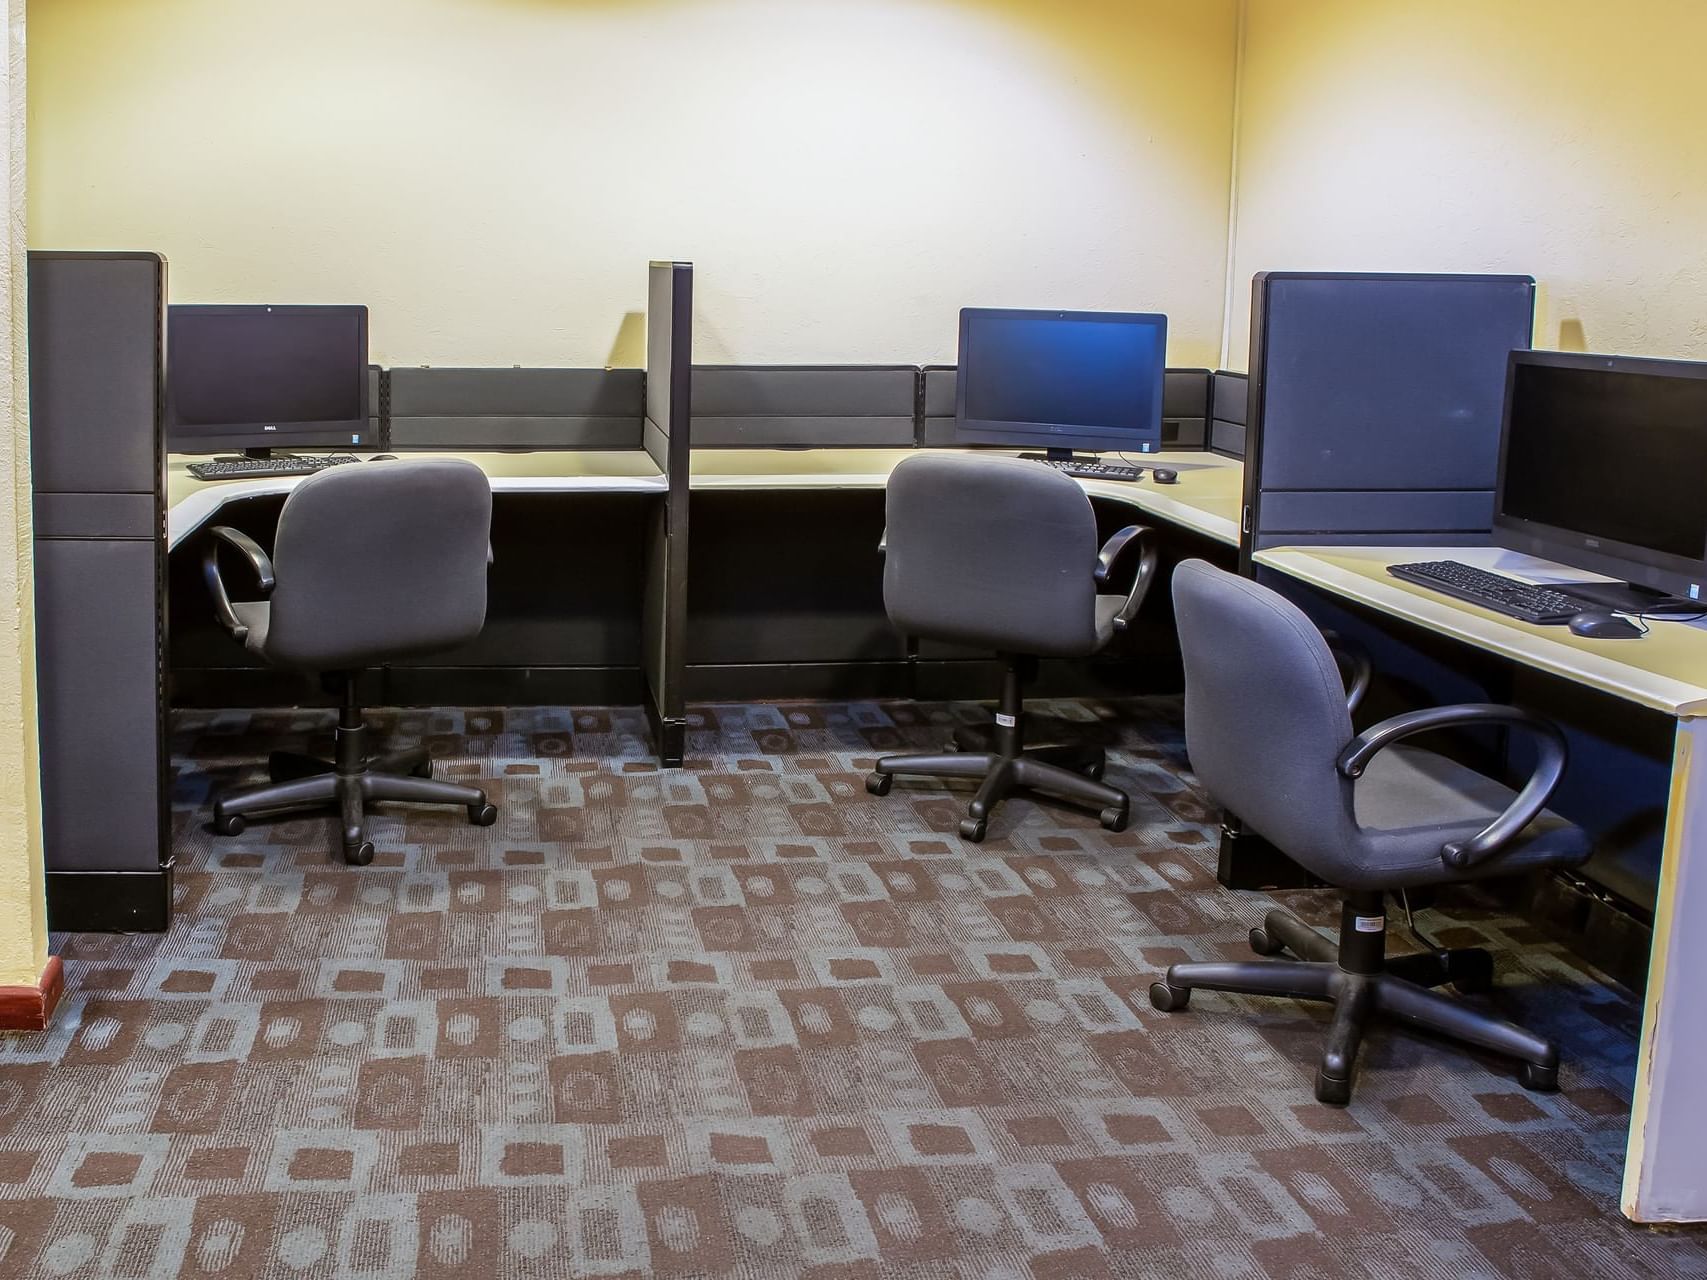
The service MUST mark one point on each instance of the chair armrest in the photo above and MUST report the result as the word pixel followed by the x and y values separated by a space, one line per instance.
pixel 258 561
pixel 1144 540
pixel 1355 668
pixel 1549 768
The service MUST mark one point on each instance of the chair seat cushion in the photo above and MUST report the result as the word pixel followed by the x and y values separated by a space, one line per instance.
pixel 1410 802
pixel 256 615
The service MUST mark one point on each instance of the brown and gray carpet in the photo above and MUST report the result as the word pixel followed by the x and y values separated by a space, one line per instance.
pixel 743 1019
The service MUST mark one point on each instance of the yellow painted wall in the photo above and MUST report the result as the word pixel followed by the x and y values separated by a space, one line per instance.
pixel 1565 139
pixel 23 915
pixel 491 176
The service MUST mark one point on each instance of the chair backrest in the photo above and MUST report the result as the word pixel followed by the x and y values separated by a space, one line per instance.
pixel 1265 713
pixel 991 551
pixel 380 560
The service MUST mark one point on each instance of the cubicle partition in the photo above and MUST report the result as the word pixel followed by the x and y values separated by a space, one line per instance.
pixel 432 408
pixel 95 388
pixel 1185 408
pixel 804 406
pixel 669 389
pixel 1229 394
pixel 1374 407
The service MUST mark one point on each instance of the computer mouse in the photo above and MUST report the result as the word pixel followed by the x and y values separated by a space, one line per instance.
pixel 1603 626
pixel 1161 475
pixel 383 457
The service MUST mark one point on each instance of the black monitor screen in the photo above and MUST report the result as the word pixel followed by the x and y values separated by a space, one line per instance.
pixel 267 372
pixel 1062 378
pixel 1609 453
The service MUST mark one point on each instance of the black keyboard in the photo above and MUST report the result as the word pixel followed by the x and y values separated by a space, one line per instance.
pixel 1093 470
pixel 262 468
pixel 1521 600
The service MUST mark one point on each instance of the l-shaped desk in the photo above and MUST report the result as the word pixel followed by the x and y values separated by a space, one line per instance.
pixel 1206 500
pixel 1666 1163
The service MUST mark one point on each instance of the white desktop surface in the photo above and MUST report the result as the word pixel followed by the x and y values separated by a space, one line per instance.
pixel 1665 670
pixel 191 503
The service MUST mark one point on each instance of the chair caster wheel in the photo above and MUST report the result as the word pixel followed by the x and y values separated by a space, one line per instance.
pixel 878 784
pixel 231 825
pixel 1333 1091
pixel 973 829
pixel 1538 1078
pixel 359 855
pixel 482 815
pixel 1114 817
pixel 1264 945
pixel 1169 999
pixel 422 770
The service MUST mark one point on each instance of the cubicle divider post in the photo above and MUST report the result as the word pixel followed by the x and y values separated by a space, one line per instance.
pixel 669 380
pixel 96 387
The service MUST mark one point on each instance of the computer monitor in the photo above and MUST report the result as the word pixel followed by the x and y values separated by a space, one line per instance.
pixel 1061 380
pixel 262 377
pixel 1603 466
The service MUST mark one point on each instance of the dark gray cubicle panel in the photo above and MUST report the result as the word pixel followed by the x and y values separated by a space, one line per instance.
pixel 1375 403
pixel 669 388
pixel 95 387
pixel 432 408
pixel 825 406
pixel 1229 396
pixel 378 392
pixel 1185 408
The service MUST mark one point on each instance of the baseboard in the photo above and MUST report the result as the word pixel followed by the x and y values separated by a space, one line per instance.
pixel 30 1007
pixel 109 901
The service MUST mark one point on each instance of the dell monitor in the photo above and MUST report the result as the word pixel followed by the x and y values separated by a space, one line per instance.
pixel 262 377
pixel 1603 466
pixel 1061 380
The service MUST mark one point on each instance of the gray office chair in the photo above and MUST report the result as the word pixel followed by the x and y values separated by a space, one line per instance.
pixel 1268 729
pixel 1001 554
pixel 371 562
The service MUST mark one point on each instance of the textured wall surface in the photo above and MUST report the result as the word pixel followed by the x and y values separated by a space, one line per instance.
pixel 1560 138
pixel 23 917
pixel 491 176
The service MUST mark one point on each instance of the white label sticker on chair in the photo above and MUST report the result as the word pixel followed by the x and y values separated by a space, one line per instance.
pixel 1370 924
pixel 1007 722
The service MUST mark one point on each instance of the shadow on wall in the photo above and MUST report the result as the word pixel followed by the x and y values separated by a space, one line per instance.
pixel 1571 336
pixel 628 348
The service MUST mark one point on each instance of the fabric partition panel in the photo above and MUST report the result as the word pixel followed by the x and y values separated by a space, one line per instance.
pixel 1375 406
pixel 1185 408
pixel 1228 396
pixel 665 436
pixel 824 406
pixel 95 385
pixel 515 408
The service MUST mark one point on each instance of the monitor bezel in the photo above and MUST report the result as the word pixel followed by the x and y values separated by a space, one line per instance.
pixel 1003 433
pixel 341 433
pixel 1644 566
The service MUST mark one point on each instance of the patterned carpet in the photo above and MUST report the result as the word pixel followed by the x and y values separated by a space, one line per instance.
pixel 743 1019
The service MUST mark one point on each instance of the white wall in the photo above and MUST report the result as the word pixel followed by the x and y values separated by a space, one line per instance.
pixel 491 176
pixel 1564 139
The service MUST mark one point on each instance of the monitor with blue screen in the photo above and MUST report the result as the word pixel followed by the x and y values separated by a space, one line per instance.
pixel 1061 380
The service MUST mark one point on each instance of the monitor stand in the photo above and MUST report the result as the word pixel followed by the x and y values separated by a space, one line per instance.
pixel 1628 597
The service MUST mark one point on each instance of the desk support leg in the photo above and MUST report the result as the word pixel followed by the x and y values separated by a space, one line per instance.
pixel 1665 1165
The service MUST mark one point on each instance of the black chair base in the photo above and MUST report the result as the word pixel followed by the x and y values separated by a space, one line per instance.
pixel 1072 772
pixel 350 784
pixel 1355 976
